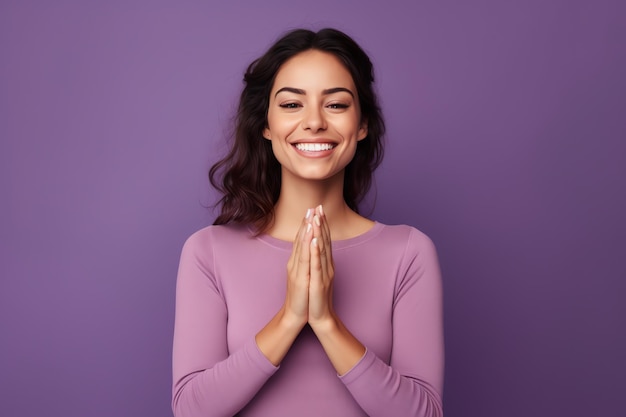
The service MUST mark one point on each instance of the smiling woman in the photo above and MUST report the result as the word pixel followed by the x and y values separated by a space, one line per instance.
pixel 314 128
pixel 353 327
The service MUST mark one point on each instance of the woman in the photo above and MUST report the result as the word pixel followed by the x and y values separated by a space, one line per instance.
pixel 353 326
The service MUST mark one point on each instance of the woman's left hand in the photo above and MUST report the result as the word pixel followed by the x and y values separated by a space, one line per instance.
pixel 341 347
pixel 322 273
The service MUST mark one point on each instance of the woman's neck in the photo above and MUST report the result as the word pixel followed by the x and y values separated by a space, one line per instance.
pixel 298 195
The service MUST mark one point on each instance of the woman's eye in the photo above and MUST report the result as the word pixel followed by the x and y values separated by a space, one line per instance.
pixel 289 105
pixel 337 106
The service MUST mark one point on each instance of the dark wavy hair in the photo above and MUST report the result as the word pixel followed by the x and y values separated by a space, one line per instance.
pixel 249 176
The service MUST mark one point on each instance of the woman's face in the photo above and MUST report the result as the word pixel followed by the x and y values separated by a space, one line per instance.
pixel 314 119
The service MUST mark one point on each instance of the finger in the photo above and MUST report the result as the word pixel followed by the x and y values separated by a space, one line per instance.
pixel 316 264
pixel 297 243
pixel 320 293
pixel 326 237
pixel 304 254
pixel 294 250
pixel 325 229
pixel 321 247
pixel 329 247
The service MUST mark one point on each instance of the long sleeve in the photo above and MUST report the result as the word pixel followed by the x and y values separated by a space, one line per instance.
pixel 412 383
pixel 387 291
pixel 208 380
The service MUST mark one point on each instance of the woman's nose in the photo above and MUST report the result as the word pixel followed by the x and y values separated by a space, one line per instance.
pixel 314 119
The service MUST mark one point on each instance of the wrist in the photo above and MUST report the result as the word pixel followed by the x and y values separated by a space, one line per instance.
pixel 291 322
pixel 323 326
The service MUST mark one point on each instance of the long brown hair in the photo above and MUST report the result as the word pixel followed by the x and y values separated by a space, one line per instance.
pixel 249 176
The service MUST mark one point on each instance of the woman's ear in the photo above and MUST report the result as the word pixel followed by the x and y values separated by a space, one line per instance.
pixel 266 134
pixel 362 134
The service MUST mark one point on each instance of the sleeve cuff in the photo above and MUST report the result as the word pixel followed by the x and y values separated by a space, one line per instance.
pixel 258 358
pixel 359 368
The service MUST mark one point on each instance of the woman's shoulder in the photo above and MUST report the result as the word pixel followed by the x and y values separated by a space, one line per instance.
pixel 405 234
pixel 407 243
pixel 389 241
pixel 218 234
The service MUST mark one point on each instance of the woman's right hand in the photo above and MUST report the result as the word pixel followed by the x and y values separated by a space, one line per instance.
pixel 296 305
pixel 276 338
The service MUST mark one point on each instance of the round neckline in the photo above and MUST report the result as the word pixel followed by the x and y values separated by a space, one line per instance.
pixel 337 244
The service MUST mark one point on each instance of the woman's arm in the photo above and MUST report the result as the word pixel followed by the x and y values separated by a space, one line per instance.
pixel 411 385
pixel 207 380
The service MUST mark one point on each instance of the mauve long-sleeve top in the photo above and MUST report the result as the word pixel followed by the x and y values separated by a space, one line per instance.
pixel 387 292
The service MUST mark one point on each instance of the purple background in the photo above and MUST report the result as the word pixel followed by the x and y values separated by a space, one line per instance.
pixel 507 145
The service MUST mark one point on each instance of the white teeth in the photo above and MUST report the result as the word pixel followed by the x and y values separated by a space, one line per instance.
pixel 314 147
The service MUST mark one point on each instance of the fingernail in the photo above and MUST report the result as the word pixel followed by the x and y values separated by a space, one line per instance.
pixel 308 227
pixel 308 213
pixel 317 220
pixel 314 241
pixel 321 210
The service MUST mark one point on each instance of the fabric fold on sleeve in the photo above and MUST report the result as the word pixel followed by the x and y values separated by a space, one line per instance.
pixel 382 392
pixel 226 387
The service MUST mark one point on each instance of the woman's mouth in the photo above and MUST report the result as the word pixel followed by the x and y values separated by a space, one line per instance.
pixel 314 147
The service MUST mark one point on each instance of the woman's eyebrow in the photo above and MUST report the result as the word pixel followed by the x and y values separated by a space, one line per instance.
pixel 337 90
pixel 291 90
pixel 324 92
